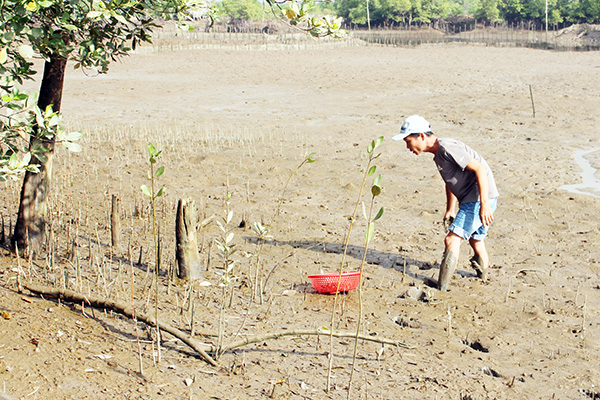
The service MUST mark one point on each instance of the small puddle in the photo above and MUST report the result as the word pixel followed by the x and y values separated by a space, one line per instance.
pixel 590 185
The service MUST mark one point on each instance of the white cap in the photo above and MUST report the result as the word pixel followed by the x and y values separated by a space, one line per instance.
pixel 411 125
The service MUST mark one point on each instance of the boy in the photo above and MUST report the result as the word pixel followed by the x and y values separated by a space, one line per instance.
pixel 469 183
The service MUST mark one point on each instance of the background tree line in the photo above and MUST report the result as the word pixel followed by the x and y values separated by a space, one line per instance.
pixel 390 13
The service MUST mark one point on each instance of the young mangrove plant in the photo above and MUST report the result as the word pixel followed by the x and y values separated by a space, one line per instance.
pixel 153 195
pixel 369 171
pixel 226 249
pixel 369 233
pixel 262 231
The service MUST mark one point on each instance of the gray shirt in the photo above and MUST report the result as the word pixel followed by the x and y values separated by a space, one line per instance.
pixel 451 159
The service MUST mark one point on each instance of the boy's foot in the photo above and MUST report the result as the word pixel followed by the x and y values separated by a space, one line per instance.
pixel 480 269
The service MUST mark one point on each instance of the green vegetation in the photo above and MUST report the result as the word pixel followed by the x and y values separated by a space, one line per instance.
pixel 241 9
pixel 391 12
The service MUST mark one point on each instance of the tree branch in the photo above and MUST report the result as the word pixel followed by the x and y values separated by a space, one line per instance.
pixel 124 309
pixel 310 332
pixel 201 348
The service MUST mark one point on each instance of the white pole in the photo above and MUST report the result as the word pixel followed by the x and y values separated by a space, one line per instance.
pixel 369 17
pixel 546 20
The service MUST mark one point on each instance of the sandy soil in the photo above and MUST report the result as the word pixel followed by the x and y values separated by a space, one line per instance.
pixel 240 121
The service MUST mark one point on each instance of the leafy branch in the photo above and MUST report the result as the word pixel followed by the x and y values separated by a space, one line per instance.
pixel 296 13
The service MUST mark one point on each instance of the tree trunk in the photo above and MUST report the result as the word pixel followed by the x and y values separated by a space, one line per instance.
pixel 31 219
pixel 188 259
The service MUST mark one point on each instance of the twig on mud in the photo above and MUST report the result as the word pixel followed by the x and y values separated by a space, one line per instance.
pixel 311 332
pixel 202 348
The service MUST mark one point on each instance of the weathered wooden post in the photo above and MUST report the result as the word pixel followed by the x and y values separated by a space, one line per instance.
pixel 115 221
pixel 188 258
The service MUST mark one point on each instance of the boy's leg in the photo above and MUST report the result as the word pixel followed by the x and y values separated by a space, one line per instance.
pixel 449 261
pixel 480 261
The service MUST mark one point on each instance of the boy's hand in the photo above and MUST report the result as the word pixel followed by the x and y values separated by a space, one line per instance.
pixel 486 214
pixel 448 220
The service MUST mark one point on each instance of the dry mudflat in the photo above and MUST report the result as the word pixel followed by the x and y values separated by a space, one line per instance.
pixel 233 121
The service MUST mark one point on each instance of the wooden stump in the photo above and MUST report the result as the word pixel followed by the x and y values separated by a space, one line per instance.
pixel 115 221
pixel 188 258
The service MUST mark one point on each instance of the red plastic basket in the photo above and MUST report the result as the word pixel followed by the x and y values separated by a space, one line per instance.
pixel 327 283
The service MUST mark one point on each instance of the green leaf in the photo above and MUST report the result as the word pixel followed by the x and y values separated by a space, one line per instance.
pixel 41 157
pixel 377 180
pixel 375 191
pixel 311 158
pixel 31 6
pixel 159 171
pixel 3 55
pixel 374 144
pixel 371 170
pixel 94 14
pixel 376 187
pixel 72 136
pixel 121 19
pixel 151 150
pixel 160 192
pixel 37 32
pixel 12 161
pixel 69 27
pixel 369 233
pixel 25 51
pixel 379 214
pixel 146 191
pixel 74 147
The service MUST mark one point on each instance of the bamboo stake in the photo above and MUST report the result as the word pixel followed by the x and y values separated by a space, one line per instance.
pixel 532 103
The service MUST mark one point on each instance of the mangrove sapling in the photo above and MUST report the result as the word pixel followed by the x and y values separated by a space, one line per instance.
pixel 226 249
pixel 375 191
pixel 262 231
pixel 369 171
pixel 153 195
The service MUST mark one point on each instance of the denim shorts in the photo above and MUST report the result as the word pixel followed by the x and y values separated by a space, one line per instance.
pixel 467 223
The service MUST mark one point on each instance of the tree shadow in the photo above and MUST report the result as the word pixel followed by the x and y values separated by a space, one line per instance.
pixel 397 262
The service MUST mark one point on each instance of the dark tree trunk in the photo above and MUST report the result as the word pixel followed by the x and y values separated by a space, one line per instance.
pixel 31 219
pixel 188 259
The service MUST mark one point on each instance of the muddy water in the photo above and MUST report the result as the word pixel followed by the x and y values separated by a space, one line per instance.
pixel 590 185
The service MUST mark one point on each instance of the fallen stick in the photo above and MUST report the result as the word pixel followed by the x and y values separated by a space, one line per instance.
pixel 202 348
pixel 310 332
pixel 124 309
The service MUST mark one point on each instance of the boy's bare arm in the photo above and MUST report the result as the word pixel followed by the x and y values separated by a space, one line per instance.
pixel 485 213
pixel 451 202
